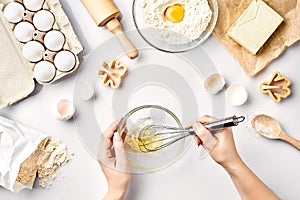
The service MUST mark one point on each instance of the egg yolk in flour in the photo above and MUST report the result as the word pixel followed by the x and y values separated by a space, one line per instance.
pixel 174 13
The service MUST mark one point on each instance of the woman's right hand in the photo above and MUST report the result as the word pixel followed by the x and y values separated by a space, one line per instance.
pixel 223 150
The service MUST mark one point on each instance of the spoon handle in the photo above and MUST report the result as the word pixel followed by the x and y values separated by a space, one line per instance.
pixel 292 141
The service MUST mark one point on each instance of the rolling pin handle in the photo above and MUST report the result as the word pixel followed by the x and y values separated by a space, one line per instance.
pixel 115 27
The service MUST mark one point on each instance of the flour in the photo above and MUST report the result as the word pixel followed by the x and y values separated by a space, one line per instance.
pixel 266 126
pixel 197 17
pixel 43 163
pixel 53 156
pixel 263 129
pixel 29 168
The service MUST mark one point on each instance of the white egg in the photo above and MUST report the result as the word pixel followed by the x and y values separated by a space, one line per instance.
pixel 13 12
pixel 33 51
pixel 33 5
pixel 236 95
pixel 43 20
pixel 65 110
pixel 44 71
pixel 24 31
pixel 64 61
pixel 54 40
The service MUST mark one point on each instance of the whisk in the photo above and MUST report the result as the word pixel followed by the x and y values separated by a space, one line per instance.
pixel 156 137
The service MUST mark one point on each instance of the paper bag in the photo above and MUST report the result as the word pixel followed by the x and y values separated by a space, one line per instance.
pixel 17 143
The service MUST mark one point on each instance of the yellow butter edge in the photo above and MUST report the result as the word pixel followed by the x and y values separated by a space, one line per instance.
pixel 232 36
pixel 274 27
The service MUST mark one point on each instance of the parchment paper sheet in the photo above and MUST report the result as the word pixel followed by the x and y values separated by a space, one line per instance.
pixel 286 35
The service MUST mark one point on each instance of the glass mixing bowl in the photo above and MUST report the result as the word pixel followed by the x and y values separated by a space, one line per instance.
pixel 134 121
pixel 149 36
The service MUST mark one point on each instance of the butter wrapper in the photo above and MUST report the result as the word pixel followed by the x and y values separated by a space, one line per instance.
pixel 17 143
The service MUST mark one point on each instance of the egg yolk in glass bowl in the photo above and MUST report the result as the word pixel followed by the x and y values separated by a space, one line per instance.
pixel 174 13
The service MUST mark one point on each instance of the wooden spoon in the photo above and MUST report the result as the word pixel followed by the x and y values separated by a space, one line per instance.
pixel 270 128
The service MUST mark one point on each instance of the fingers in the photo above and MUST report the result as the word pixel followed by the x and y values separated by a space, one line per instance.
pixel 124 134
pixel 111 150
pixel 105 151
pixel 204 135
pixel 197 140
pixel 121 160
pixel 118 141
pixel 111 130
pixel 205 119
pixel 108 135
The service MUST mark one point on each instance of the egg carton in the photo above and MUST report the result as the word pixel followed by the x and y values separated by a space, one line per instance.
pixel 38 42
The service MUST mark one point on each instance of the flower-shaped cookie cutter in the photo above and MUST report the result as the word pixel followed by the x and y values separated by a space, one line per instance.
pixel 112 73
pixel 277 87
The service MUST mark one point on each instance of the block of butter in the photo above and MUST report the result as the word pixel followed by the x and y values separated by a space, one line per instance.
pixel 254 27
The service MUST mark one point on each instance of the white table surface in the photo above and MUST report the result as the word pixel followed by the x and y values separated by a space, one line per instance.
pixel 275 162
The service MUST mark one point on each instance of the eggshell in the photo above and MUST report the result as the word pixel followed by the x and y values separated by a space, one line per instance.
pixel 236 95
pixel 33 51
pixel 86 90
pixel 44 71
pixel 65 110
pixel 13 12
pixel 43 20
pixel 214 84
pixel 33 5
pixel 24 31
pixel 54 40
pixel 64 61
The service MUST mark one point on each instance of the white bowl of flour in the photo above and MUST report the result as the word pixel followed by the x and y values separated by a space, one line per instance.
pixel 175 25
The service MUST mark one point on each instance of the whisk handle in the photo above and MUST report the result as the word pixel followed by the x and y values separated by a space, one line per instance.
pixel 224 123
pixel 219 126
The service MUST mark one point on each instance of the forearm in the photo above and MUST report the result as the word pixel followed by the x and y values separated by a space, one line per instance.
pixel 249 186
pixel 115 195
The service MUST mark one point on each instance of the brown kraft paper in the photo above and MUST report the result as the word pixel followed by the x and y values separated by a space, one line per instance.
pixel 286 35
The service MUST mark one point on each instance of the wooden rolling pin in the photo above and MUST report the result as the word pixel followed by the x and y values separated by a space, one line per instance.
pixel 106 13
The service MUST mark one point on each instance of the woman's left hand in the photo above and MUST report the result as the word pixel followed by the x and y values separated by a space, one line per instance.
pixel 113 162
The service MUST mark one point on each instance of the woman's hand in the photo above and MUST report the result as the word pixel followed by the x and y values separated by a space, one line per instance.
pixel 113 162
pixel 220 144
pixel 222 149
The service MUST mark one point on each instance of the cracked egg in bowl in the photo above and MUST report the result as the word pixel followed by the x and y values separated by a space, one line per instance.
pixel 175 25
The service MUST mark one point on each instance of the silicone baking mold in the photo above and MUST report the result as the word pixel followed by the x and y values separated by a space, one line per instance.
pixel 277 87
pixel 112 73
